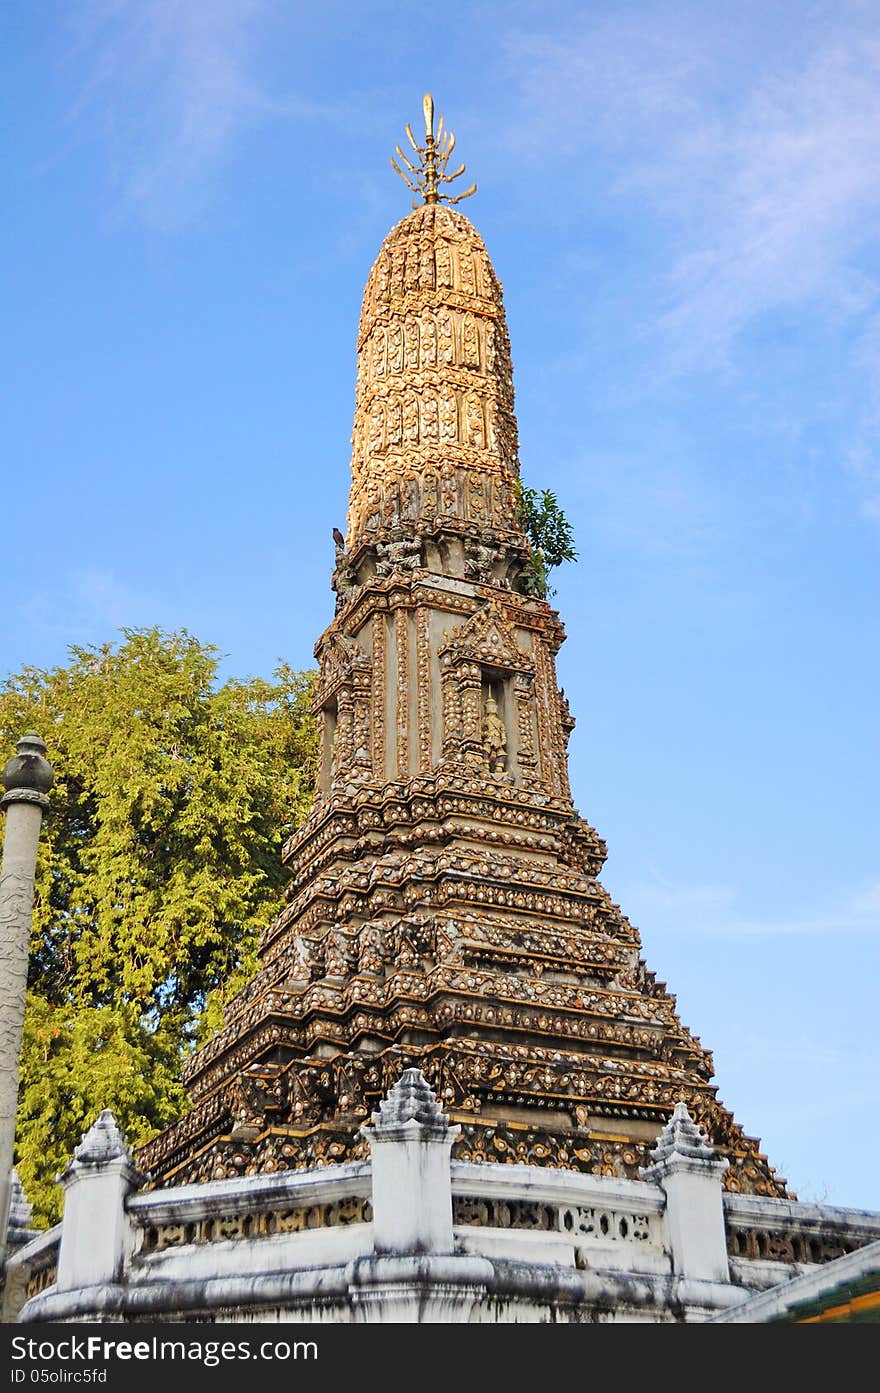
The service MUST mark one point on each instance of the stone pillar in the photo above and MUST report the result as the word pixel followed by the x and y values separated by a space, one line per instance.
pixel 451 705
pixel 343 741
pixel 470 680
pixel 27 779
pixel 523 693
pixel 689 1172
pixel 410 1140
pixel 95 1232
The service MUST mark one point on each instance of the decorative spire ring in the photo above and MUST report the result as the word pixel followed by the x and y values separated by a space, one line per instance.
pixel 429 175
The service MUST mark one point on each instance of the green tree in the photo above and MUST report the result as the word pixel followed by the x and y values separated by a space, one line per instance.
pixel 550 536
pixel 158 866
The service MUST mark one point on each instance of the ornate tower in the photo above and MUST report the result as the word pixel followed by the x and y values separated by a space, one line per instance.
pixel 444 909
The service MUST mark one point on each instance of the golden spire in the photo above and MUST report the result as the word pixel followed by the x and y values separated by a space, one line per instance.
pixel 429 174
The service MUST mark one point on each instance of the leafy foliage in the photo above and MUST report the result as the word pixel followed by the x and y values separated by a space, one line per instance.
pixel 158 865
pixel 550 535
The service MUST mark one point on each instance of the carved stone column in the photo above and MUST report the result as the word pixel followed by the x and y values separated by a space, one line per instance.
pixel 424 686
pixel 27 779
pixel 451 705
pixel 343 761
pixel 523 689
pixel 401 640
pixel 377 700
pixel 360 725
pixel 470 694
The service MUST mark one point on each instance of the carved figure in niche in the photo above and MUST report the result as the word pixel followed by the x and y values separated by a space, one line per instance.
pixel 479 561
pixel 430 492
pixel 410 495
pixel 447 412
pixel 405 555
pixel 395 348
pixel 476 497
pixel 338 954
pixel 426 267
pixel 412 345
pixel 444 263
pixel 310 1095
pixel 378 355
pixel 428 342
pixel 375 437
pixel 494 737
pixel 474 420
pixel 395 431
pixel 304 966
pixel 448 489
pixel 370 955
pixel 410 418
pixel 466 269
pixel 470 343
pixel 430 417
pixel 445 337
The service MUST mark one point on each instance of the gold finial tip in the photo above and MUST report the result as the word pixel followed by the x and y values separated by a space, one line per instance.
pixel 429 176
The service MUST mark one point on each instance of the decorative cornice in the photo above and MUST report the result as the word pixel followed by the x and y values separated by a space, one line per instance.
pixel 24 795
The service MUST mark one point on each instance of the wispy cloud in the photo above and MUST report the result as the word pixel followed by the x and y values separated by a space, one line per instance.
pixel 174 84
pixel 713 910
pixel 769 180
pixel 759 164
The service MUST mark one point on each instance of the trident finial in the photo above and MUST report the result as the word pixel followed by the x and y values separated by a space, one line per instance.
pixel 429 175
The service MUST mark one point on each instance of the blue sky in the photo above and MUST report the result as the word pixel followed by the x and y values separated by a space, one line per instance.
pixel 682 202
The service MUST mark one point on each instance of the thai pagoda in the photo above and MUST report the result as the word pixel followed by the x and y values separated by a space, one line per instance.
pixel 453 1090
